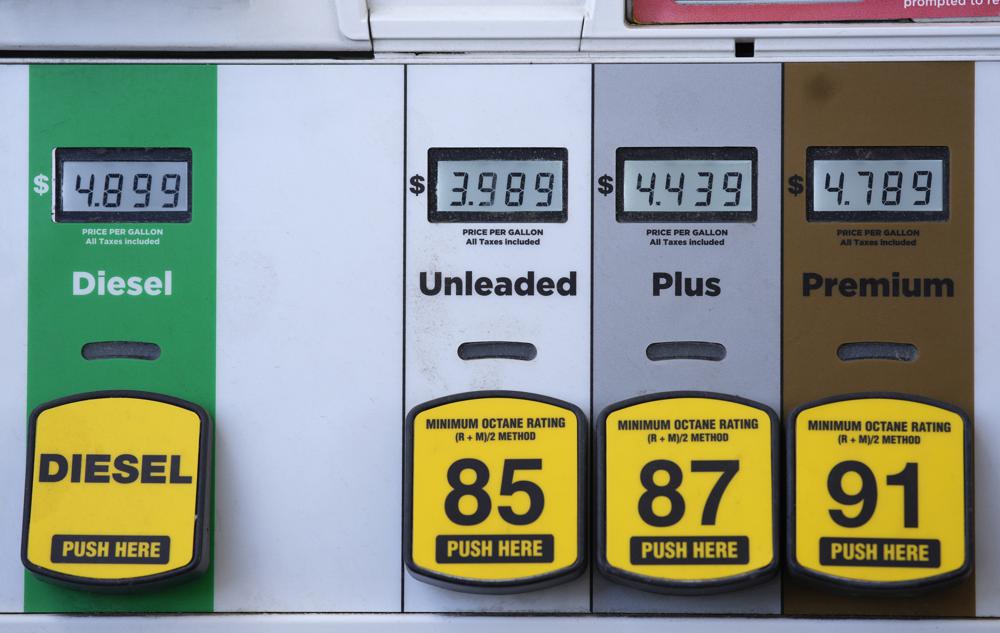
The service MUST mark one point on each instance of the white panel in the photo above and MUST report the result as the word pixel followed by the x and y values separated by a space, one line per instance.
pixel 310 338
pixel 209 25
pixel 465 624
pixel 499 106
pixel 987 368
pixel 14 192
pixel 476 25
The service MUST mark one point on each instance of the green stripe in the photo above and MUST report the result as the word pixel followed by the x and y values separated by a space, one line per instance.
pixel 120 105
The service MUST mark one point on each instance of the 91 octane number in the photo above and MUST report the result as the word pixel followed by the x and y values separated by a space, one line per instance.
pixel 867 495
pixel 484 505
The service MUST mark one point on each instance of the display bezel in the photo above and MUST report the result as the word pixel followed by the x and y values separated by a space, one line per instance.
pixel 62 155
pixel 623 154
pixel 438 154
pixel 886 153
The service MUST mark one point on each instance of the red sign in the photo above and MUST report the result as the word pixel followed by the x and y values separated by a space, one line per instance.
pixel 737 11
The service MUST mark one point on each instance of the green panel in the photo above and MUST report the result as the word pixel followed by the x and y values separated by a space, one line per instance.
pixel 120 105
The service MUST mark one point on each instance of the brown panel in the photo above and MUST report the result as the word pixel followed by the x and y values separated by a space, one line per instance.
pixel 879 104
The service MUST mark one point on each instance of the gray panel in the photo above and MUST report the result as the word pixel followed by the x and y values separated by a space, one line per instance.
pixel 687 105
pixel 368 623
pixel 15 187
pixel 987 371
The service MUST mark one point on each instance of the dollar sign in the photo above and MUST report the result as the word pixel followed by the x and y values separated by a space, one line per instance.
pixel 417 184
pixel 41 184
pixel 605 184
pixel 795 185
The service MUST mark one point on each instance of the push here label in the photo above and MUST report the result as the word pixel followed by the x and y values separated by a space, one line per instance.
pixel 690 550
pixel 496 548
pixel 149 550
pixel 880 552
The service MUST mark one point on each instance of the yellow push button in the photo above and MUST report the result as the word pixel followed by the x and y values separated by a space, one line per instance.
pixel 880 493
pixel 495 491
pixel 117 495
pixel 687 492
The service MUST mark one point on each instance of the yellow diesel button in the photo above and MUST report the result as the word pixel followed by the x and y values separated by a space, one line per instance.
pixel 687 492
pixel 880 493
pixel 495 492
pixel 116 497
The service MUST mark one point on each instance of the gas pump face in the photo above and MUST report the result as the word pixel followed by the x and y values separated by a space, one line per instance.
pixel 597 332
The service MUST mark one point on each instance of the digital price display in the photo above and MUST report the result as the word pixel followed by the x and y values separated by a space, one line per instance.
pixel 497 184
pixel 495 492
pixel 117 494
pixel 687 492
pixel 857 184
pixel 122 185
pixel 880 493
pixel 686 184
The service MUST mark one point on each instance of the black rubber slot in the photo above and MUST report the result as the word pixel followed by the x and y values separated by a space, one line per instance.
pixel 878 350
pixel 686 350
pixel 512 350
pixel 744 48
pixel 104 350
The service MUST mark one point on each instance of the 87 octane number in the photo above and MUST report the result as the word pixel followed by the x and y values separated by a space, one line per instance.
pixel 727 469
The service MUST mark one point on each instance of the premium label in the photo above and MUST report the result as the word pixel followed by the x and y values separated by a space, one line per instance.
pixel 117 494
pixel 495 491
pixel 687 492
pixel 880 493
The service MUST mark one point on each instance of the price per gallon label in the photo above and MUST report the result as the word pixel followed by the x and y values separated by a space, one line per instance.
pixel 687 492
pixel 495 491
pixel 880 493
pixel 117 491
